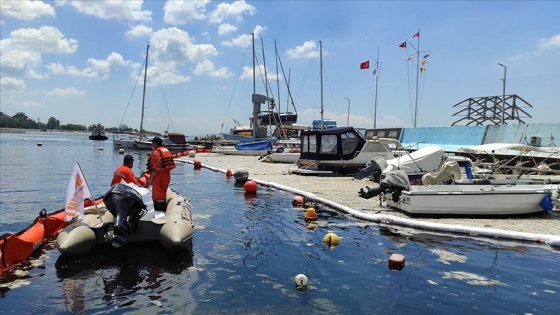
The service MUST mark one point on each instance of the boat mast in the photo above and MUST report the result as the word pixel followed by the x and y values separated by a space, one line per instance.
pixel 321 72
pixel 255 104
pixel 144 92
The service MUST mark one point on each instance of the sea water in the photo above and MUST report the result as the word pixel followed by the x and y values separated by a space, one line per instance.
pixel 247 249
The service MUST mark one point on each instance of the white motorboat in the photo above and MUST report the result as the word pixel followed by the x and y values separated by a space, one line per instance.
pixel 464 200
pixel 127 215
pixel 340 151
pixel 172 141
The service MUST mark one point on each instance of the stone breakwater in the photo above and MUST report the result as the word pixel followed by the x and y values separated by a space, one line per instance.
pixel 342 193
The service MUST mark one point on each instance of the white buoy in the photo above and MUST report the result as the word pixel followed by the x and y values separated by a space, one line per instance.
pixel 92 144
pixel 100 149
pixel 192 154
pixel 301 282
pixel 121 151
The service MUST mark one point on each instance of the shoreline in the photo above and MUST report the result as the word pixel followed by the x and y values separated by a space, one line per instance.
pixel 342 192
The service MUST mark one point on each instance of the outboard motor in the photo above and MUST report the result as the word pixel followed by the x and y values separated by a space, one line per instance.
pixel 394 183
pixel 374 168
pixel 126 204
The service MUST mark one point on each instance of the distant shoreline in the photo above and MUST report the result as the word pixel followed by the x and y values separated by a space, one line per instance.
pixel 22 130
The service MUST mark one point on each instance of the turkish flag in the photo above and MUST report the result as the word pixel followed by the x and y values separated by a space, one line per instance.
pixel 364 65
pixel 403 45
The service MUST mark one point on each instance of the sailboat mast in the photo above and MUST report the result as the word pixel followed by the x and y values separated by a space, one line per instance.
pixel 376 80
pixel 254 124
pixel 321 72
pixel 417 76
pixel 144 92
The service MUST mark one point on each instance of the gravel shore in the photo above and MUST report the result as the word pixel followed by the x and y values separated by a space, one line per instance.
pixel 344 191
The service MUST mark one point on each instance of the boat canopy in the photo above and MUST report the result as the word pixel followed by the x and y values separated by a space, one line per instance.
pixel 341 143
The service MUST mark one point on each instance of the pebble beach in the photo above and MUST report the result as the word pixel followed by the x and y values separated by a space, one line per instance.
pixel 344 191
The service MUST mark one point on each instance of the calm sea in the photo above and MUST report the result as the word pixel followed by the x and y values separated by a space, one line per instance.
pixel 247 251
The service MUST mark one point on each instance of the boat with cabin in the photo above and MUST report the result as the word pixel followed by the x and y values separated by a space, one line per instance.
pixel 98 133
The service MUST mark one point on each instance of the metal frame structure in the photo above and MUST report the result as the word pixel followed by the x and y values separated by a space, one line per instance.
pixel 492 110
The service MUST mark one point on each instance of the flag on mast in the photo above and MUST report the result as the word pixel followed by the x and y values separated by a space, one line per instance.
pixel 417 34
pixel 364 65
pixel 403 45
pixel 76 192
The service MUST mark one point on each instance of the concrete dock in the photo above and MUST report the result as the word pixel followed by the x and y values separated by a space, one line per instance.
pixel 344 191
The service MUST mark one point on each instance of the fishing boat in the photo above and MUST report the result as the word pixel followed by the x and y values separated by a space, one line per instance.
pixel 98 133
pixel 127 215
pixel 17 247
pixel 463 200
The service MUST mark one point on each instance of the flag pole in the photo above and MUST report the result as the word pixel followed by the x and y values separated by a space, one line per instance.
pixel 417 76
pixel 85 180
pixel 376 80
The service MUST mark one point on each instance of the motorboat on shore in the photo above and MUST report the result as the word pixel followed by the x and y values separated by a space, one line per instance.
pixel 340 151
pixel 98 133
pixel 127 215
pixel 396 192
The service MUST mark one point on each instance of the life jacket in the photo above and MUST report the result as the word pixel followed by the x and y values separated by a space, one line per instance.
pixel 167 161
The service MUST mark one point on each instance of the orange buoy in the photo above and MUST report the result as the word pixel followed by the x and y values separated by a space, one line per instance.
pixel 229 173
pixel 197 164
pixel 250 187
pixel 310 214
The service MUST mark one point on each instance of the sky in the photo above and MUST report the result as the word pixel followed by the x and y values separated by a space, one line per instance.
pixel 82 61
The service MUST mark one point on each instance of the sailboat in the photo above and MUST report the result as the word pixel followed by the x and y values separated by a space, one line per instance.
pixel 130 142
pixel 261 119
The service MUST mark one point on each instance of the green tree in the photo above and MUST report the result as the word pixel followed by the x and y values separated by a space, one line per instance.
pixel 53 123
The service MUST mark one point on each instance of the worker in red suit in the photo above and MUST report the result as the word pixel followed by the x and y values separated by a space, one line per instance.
pixel 160 163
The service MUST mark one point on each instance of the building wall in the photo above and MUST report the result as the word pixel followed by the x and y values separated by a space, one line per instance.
pixel 547 135
pixel 454 137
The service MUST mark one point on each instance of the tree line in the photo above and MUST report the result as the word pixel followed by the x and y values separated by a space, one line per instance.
pixel 22 121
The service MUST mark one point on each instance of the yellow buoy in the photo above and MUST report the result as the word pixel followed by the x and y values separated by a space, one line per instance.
pixel 331 239
pixel 310 214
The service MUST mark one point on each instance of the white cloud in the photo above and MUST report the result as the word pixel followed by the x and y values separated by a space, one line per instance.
pixel 182 12
pixel 12 84
pixel 113 10
pixel 259 72
pixel 226 28
pixel 173 49
pixel 233 10
pixel 244 40
pixel 22 51
pixel 309 49
pixel 139 31
pixel 25 9
pixel 65 92
pixel 97 68
pixel 549 43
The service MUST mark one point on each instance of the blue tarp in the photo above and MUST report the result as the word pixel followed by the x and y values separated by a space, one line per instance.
pixel 255 146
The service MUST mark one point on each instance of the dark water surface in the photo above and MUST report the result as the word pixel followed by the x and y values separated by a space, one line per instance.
pixel 247 251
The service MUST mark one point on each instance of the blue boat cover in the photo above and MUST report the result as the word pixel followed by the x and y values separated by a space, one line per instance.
pixel 255 146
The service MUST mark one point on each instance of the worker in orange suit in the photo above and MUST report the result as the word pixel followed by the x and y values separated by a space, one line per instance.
pixel 125 172
pixel 160 163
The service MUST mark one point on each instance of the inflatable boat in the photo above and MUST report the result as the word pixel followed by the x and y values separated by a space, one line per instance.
pixel 19 246
pixel 127 215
